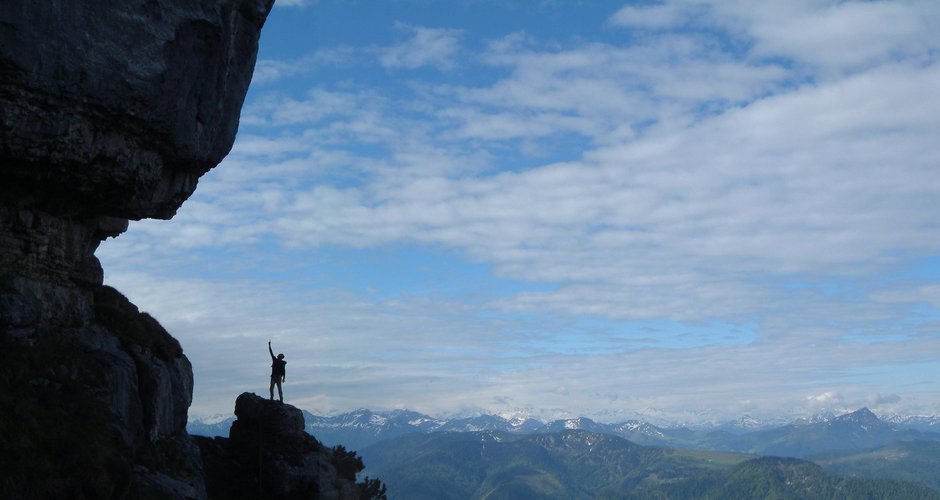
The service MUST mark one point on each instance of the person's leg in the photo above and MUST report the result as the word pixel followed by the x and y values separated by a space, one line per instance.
pixel 280 392
pixel 271 389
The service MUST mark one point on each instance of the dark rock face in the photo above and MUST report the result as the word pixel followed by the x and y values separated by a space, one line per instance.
pixel 109 111
pixel 273 456
pixel 164 377
pixel 117 108
pixel 97 410
pixel 48 260
pixel 257 417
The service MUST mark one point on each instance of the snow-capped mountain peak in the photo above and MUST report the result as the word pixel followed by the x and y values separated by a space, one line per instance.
pixel 361 428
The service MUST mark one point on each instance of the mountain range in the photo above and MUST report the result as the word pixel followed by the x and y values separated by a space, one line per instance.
pixel 856 431
pixel 574 464
pixel 402 446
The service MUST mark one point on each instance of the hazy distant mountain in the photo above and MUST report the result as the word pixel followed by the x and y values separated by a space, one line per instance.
pixel 905 460
pixel 928 423
pixel 824 433
pixel 745 424
pixel 580 423
pixel 479 423
pixel 210 427
pixel 574 464
pixel 419 456
pixel 856 431
pixel 361 428
pixel 814 419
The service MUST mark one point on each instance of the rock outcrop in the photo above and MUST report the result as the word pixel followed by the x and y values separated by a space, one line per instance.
pixel 269 455
pixel 109 111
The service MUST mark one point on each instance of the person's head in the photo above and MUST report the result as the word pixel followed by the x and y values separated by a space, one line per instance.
pixel 280 356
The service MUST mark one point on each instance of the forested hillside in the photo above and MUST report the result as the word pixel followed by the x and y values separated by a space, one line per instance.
pixel 580 464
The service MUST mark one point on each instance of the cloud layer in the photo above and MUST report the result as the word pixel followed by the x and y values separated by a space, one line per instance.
pixel 707 211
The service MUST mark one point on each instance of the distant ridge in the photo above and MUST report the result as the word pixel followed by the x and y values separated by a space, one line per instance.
pixel 577 464
pixel 855 431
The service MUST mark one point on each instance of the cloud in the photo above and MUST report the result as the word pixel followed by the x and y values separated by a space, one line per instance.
pixel 826 398
pixel 884 399
pixel 630 190
pixel 840 36
pixel 698 207
pixel 909 294
pixel 607 93
pixel 739 184
pixel 294 3
pixel 831 37
pixel 427 47
pixel 344 350
pixel 660 16
pixel 268 71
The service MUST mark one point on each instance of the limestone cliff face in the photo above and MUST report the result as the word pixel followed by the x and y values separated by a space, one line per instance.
pixel 109 111
pixel 117 108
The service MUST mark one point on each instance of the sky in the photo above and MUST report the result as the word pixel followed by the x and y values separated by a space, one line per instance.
pixel 683 211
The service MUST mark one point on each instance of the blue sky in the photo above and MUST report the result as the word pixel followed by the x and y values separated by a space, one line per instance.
pixel 679 211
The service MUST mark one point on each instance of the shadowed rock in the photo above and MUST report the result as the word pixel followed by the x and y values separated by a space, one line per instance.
pixel 116 108
pixel 257 415
pixel 109 111
pixel 268 455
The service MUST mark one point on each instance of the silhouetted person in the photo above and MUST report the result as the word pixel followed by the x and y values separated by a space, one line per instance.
pixel 278 373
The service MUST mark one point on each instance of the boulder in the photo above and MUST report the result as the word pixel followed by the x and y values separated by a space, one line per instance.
pixel 269 455
pixel 259 416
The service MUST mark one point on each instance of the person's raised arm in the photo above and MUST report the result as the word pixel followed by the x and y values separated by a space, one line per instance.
pixel 270 350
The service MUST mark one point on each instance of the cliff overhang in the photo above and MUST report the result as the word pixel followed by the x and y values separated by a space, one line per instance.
pixel 109 112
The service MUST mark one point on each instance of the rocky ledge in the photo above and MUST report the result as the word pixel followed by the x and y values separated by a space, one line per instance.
pixel 269 455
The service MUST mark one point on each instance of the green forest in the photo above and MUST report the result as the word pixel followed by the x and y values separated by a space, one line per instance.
pixel 579 464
